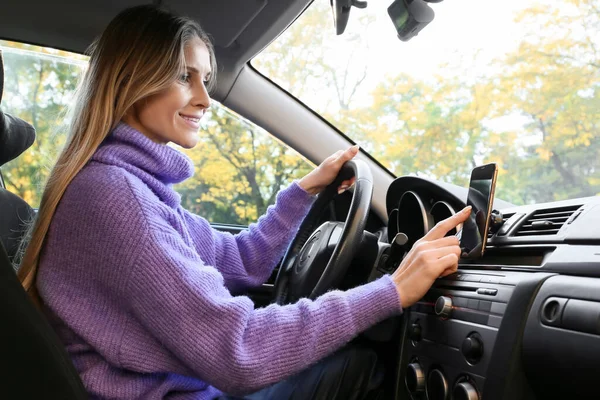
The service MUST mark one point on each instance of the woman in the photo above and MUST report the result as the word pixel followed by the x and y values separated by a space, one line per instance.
pixel 138 288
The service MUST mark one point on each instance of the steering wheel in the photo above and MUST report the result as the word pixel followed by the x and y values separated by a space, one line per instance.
pixel 318 257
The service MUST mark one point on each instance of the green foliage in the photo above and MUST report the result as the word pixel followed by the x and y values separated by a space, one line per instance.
pixel 38 86
pixel 443 127
pixel 439 128
pixel 239 166
pixel 239 169
pixel 554 82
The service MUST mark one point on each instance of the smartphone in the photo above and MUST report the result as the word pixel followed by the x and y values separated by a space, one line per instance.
pixel 473 236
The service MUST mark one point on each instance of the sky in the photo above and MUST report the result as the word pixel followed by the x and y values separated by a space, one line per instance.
pixel 461 29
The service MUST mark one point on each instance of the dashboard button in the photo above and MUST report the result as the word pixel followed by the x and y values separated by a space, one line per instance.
pixel 437 386
pixel 473 304
pixel 443 306
pixel 415 378
pixel 472 348
pixel 485 306
pixel 471 316
pixel 494 321
pixel 416 333
pixel 487 292
pixel 465 391
pixel 498 308
pixel 459 301
pixel 490 279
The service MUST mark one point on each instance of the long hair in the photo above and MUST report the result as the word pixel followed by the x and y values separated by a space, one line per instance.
pixel 140 53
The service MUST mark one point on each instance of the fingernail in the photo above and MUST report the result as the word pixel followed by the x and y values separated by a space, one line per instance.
pixel 467 209
pixel 342 189
pixel 355 147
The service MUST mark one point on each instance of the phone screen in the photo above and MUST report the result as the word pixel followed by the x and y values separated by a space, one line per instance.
pixel 473 235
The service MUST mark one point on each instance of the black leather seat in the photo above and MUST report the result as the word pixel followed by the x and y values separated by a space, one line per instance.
pixel 35 364
pixel 14 214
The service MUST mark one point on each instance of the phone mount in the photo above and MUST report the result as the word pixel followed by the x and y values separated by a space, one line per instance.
pixel 496 221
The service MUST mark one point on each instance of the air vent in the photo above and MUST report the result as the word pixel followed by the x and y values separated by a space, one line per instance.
pixel 505 218
pixel 546 222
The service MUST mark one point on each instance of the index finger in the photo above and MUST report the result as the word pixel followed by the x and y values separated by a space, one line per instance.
pixel 443 227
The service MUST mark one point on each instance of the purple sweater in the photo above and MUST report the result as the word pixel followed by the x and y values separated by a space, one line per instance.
pixel 140 290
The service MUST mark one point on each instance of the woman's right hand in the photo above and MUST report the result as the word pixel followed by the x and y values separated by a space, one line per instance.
pixel 432 256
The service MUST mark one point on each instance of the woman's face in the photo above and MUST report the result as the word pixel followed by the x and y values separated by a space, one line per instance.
pixel 174 114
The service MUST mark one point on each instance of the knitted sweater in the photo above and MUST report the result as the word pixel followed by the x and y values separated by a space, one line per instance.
pixel 142 292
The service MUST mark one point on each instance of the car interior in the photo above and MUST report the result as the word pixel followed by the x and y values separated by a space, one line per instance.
pixel 520 322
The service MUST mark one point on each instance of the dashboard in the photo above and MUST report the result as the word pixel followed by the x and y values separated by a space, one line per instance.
pixel 522 322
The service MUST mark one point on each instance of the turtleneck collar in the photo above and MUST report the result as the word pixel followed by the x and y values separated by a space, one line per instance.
pixel 157 165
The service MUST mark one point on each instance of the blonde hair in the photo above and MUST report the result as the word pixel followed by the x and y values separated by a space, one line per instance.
pixel 140 53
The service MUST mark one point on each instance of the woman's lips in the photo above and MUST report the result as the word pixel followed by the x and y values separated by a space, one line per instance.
pixel 190 120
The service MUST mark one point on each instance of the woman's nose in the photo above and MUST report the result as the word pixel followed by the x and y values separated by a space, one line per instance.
pixel 201 97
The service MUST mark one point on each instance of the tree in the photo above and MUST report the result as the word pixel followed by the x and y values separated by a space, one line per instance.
pixel 444 126
pixel 39 83
pixel 240 169
pixel 553 81
pixel 440 128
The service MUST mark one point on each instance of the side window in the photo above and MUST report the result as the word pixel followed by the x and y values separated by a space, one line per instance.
pixel 239 166
pixel 39 83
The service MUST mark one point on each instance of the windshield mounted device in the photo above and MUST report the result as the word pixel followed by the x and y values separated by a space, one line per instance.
pixel 411 16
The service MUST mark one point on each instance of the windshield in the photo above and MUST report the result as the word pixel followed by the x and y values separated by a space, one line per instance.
pixel 514 82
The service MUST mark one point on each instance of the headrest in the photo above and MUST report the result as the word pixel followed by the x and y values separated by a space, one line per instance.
pixel 16 135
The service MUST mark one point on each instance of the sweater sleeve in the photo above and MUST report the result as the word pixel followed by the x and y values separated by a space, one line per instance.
pixel 248 258
pixel 222 338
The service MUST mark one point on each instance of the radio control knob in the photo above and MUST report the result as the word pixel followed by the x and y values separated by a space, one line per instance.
pixel 465 391
pixel 415 378
pixel 437 386
pixel 443 306
pixel 472 348
pixel 416 332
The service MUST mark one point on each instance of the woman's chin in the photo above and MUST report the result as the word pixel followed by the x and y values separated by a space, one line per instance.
pixel 188 142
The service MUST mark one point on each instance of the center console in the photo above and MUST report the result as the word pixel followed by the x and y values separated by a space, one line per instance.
pixel 522 322
pixel 451 336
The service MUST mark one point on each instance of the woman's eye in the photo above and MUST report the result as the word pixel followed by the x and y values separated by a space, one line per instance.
pixel 185 78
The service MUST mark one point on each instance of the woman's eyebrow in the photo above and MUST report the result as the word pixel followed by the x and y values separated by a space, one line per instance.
pixel 195 70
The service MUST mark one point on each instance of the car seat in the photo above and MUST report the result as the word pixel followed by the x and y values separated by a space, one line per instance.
pixel 35 363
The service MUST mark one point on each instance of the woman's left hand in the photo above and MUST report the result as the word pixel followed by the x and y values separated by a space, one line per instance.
pixel 319 178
